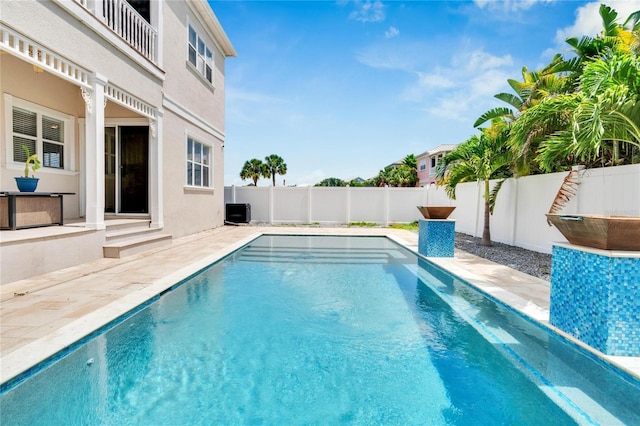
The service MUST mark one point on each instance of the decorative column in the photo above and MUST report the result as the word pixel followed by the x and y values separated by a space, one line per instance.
pixel 94 151
pixel 436 237
pixel 155 184
pixel 594 297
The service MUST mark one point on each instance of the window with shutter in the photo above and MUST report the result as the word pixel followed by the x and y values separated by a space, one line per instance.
pixel 43 131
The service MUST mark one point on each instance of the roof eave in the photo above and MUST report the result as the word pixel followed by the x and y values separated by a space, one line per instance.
pixel 210 19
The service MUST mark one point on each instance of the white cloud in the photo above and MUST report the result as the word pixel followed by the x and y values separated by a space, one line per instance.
pixel 392 32
pixel 467 84
pixel 508 5
pixel 393 55
pixel 589 22
pixel 368 11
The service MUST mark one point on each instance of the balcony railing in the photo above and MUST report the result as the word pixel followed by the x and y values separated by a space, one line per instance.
pixel 127 23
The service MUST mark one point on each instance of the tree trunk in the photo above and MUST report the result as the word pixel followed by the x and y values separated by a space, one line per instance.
pixel 274 179
pixel 486 232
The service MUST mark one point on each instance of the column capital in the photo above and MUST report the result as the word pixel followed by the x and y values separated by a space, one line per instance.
pixel 97 78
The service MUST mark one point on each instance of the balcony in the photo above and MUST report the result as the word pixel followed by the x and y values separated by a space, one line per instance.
pixel 130 20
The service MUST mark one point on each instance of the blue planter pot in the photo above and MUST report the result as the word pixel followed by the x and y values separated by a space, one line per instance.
pixel 27 184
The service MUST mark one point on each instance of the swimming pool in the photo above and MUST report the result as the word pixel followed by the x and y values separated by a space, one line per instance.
pixel 330 330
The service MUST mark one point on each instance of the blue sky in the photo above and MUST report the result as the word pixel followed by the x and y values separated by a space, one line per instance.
pixel 344 88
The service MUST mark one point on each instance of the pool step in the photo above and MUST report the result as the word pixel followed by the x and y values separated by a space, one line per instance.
pixel 125 237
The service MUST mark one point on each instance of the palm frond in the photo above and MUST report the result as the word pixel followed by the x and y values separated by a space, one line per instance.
pixel 500 112
pixel 633 21
pixel 609 20
pixel 509 98
pixel 567 191
pixel 494 194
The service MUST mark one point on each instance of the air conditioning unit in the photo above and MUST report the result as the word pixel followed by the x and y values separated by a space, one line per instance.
pixel 238 213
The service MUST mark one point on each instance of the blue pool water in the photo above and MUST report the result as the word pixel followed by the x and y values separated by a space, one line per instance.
pixel 323 330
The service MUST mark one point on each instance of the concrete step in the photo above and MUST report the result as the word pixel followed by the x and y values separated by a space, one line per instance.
pixel 126 223
pixel 136 244
pixel 120 234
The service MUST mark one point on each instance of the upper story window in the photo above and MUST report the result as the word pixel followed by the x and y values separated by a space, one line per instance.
pixel 198 164
pixel 43 131
pixel 200 55
pixel 423 165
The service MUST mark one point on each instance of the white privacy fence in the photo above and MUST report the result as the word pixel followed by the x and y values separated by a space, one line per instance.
pixel 518 219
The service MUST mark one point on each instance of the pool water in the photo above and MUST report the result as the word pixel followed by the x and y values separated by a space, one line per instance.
pixel 323 330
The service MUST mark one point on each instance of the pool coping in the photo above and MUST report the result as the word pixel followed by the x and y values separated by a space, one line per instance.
pixel 25 357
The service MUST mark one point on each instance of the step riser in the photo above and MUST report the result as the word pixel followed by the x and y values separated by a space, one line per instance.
pixel 122 250
pixel 127 225
pixel 121 235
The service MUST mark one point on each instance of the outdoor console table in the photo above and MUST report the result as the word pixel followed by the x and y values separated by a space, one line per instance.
pixel 20 210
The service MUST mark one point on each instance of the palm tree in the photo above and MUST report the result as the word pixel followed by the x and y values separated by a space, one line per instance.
pixel 275 165
pixel 410 163
pixel 253 169
pixel 481 158
pixel 546 131
pixel 332 181
pixel 603 114
pixel 535 86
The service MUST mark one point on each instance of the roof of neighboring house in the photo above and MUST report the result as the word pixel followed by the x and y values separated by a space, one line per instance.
pixel 357 179
pixel 443 148
pixel 447 147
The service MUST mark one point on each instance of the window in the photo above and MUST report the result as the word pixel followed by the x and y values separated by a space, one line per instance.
pixel 434 161
pixel 423 165
pixel 198 164
pixel 45 132
pixel 200 55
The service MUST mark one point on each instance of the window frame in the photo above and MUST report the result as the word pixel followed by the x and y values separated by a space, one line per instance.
pixel 190 172
pixel 201 58
pixel 67 141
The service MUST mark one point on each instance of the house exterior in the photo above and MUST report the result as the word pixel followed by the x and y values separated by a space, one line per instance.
pixel 428 160
pixel 124 104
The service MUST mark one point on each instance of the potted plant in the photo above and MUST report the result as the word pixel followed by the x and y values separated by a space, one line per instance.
pixel 26 183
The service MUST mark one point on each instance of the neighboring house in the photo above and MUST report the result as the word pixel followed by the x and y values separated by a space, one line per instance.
pixel 355 180
pixel 428 160
pixel 124 104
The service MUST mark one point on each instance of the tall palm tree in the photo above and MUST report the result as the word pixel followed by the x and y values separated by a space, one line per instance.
pixel 480 159
pixel 253 169
pixel 275 165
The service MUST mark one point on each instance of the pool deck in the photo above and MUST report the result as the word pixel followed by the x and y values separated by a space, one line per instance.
pixel 42 315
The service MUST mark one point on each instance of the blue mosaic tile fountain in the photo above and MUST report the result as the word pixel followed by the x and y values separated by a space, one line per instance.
pixel 595 297
pixel 436 237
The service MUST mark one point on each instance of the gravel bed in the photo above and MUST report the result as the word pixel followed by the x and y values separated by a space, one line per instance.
pixel 527 261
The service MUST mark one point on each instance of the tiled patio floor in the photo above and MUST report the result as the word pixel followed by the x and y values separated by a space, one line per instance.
pixel 42 315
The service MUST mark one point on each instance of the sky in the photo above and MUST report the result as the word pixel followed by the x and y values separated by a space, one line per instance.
pixel 345 88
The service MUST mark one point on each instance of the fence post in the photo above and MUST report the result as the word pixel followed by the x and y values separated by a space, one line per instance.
pixel 514 231
pixel 309 204
pixel 271 205
pixel 386 205
pixel 348 204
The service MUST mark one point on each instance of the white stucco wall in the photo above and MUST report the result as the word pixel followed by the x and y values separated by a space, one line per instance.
pixel 183 84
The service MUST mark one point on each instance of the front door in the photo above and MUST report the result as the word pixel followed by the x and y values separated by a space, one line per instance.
pixel 127 169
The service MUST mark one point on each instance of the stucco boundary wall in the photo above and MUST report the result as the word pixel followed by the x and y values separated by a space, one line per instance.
pixel 518 219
